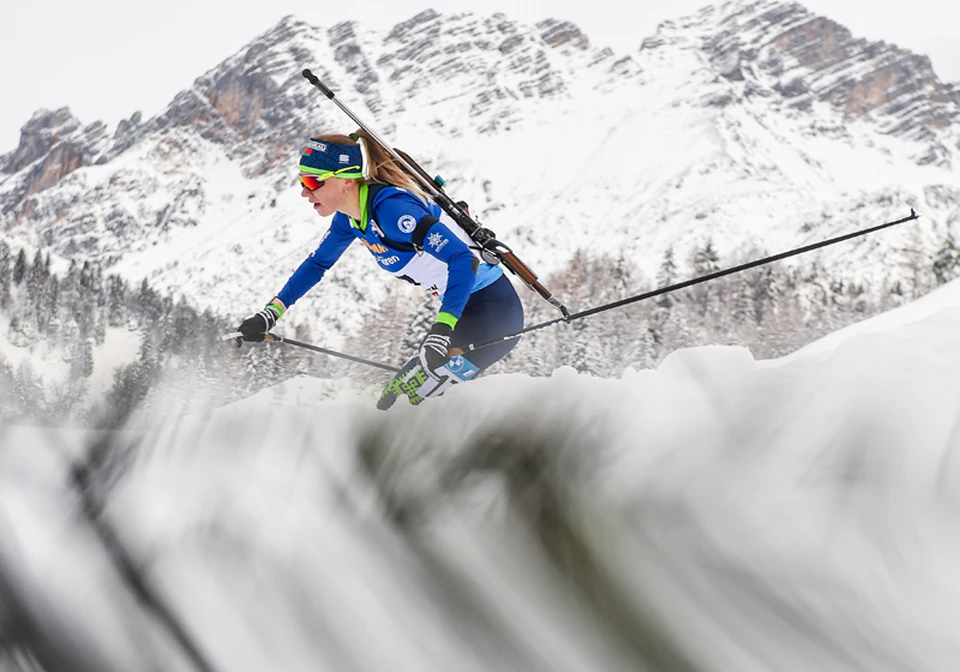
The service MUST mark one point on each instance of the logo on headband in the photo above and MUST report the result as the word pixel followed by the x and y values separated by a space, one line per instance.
pixel 344 158
pixel 319 146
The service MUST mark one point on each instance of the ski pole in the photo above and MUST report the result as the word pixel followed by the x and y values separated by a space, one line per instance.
pixel 491 249
pixel 690 283
pixel 274 338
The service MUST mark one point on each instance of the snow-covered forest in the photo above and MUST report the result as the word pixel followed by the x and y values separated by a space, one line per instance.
pixel 772 311
pixel 56 326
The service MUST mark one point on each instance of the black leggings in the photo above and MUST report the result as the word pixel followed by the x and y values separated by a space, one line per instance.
pixel 493 311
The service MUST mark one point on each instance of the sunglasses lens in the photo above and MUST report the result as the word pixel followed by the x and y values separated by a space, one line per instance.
pixel 310 183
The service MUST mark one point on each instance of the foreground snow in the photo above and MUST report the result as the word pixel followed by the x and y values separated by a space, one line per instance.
pixel 714 514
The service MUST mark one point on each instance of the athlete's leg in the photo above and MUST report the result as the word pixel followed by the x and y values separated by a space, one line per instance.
pixel 491 312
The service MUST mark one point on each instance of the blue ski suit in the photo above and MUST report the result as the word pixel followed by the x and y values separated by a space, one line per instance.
pixel 415 241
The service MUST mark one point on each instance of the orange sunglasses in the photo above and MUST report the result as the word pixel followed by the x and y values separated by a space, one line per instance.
pixel 311 183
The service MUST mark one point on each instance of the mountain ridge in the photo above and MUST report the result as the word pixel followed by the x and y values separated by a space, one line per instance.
pixel 725 124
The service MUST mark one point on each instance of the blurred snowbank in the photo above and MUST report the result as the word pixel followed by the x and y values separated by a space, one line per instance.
pixel 717 513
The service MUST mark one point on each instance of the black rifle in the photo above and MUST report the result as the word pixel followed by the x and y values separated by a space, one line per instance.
pixel 491 250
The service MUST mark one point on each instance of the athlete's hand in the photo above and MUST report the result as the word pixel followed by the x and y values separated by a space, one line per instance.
pixel 255 327
pixel 434 350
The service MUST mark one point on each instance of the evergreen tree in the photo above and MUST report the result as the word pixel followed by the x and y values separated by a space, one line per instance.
pixel 148 304
pixel 743 304
pixel 116 301
pixel 29 391
pixel 6 279
pixel 915 264
pixel 49 313
pixel 98 286
pixel 9 402
pixel 946 260
pixel 704 261
pixel 583 351
pixel 123 397
pixel 666 276
pixel 764 292
pixel 20 267
pixel 36 280
pixel 71 280
pixel 84 363
pixel 655 327
pixel 86 276
pixel 131 386
pixel 84 312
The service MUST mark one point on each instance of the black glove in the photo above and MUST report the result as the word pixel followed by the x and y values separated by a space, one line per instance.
pixel 255 327
pixel 434 350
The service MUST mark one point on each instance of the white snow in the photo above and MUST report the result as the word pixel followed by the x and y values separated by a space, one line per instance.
pixel 120 347
pixel 793 514
pixel 717 513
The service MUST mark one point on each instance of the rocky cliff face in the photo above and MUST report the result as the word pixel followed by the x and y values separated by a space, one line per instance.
pixel 38 136
pixel 255 102
pixel 257 106
pixel 52 145
pixel 807 58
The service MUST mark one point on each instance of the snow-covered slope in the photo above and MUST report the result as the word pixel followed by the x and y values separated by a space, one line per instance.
pixel 756 124
pixel 939 305
pixel 713 514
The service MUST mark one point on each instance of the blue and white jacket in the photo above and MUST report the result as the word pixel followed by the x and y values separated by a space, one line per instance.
pixel 410 239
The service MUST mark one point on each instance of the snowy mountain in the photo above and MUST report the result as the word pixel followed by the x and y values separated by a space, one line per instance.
pixel 754 124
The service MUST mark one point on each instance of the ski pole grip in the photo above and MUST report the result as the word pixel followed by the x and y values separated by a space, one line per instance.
pixel 312 78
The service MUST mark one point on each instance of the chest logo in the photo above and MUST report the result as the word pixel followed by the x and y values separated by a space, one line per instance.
pixel 407 223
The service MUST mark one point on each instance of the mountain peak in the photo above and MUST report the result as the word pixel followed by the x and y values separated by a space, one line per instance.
pixel 43 130
pixel 782 47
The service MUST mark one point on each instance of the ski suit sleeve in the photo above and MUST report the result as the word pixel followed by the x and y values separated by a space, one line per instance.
pixel 440 242
pixel 332 246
